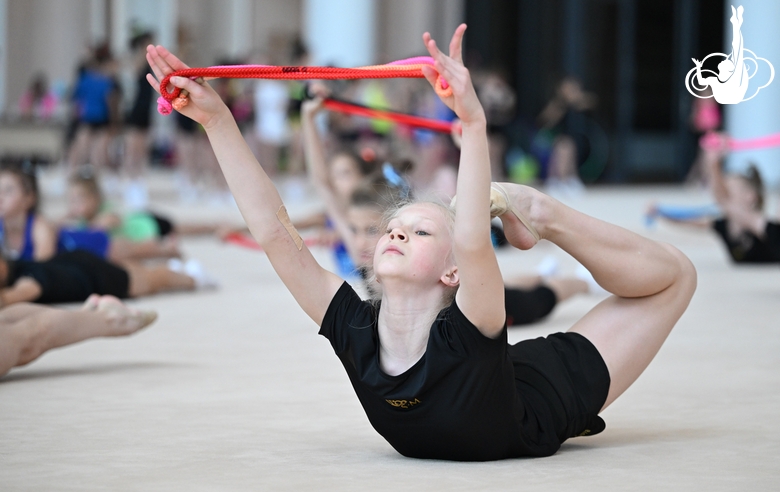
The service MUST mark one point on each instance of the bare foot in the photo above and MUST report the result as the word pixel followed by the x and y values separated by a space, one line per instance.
pixel 526 202
pixel 123 320
pixel 91 304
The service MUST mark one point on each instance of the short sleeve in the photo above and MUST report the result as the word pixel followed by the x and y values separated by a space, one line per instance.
pixel 346 313
pixel 463 337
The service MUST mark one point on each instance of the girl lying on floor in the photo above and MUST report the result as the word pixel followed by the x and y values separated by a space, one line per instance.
pixel 430 362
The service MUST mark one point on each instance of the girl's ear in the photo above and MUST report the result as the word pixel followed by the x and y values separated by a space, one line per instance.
pixel 451 277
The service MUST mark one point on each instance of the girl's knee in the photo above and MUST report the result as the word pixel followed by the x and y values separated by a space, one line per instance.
pixel 686 276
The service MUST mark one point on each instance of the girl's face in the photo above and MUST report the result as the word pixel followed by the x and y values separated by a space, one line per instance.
pixel 365 223
pixel 14 200
pixel 417 245
pixel 344 175
pixel 740 191
pixel 82 204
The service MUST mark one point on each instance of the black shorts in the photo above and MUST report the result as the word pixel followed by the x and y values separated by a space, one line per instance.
pixel 525 306
pixel 106 278
pixel 773 238
pixel 140 119
pixel 563 382
pixel 96 125
pixel 164 226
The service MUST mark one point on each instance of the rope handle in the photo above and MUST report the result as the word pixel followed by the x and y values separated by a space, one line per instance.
pixel 408 68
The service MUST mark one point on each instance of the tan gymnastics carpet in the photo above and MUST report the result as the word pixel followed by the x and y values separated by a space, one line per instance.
pixel 234 390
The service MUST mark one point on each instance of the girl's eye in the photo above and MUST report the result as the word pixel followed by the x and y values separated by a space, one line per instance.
pixel 422 233
pixel 372 231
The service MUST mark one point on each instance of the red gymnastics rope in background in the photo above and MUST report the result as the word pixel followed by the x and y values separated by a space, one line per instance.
pixel 716 141
pixel 408 68
pixel 384 114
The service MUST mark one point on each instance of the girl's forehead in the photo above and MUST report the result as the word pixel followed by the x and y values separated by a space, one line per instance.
pixel 420 211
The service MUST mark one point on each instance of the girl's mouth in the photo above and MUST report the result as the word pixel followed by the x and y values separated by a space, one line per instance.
pixel 393 250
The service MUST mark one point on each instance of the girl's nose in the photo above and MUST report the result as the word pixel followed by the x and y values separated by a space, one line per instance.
pixel 397 234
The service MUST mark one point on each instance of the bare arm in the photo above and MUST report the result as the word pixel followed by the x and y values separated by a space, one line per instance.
pixel 25 289
pixel 481 293
pixel 45 239
pixel 744 217
pixel 107 221
pixel 260 204
pixel 317 168
pixel 712 160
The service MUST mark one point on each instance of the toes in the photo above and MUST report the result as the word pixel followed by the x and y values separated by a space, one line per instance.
pixel 148 317
pixel 91 304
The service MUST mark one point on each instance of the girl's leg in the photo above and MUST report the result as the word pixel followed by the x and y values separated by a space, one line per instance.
pixel 652 282
pixel 37 329
pixel 124 249
pixel 79 149
pixel 146 281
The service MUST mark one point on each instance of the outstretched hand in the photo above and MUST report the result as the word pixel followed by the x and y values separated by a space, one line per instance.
pixel 464 98
pixel 205 105
pixel 319 93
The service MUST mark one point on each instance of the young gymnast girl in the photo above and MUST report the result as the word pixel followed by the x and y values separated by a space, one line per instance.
pixel 745 230
pixel 528 299
pixel 90 219
pixel 430 362
pixel 24 234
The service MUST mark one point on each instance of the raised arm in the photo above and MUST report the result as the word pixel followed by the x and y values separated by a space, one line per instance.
pixel 317 169
pixel 260 204
pixel 481 293
pixel 44 236
pixel 712 160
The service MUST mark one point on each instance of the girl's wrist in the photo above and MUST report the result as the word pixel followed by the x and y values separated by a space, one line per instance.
pixel 477 121
pixel 219 118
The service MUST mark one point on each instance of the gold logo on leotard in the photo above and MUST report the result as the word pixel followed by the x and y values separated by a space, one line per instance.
pixel 404 404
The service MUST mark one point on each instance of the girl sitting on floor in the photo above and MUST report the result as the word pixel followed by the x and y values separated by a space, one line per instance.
pixel 24 234
pixel 747 233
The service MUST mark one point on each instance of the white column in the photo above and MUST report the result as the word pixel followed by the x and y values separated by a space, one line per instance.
pixel 340 32
pixel 120 28
pixel 761 115
pixel 3 52
pixel 240 28
pixel 97 21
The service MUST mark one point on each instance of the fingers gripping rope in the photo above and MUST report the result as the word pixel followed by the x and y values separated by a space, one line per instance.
pixel 408 68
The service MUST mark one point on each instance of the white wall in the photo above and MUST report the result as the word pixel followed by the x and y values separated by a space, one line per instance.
pixel 44 35
pixel 340 32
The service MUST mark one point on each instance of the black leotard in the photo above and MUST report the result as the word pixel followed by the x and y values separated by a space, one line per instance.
pixel 470 397
pixel 748 248
pixel 72 277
